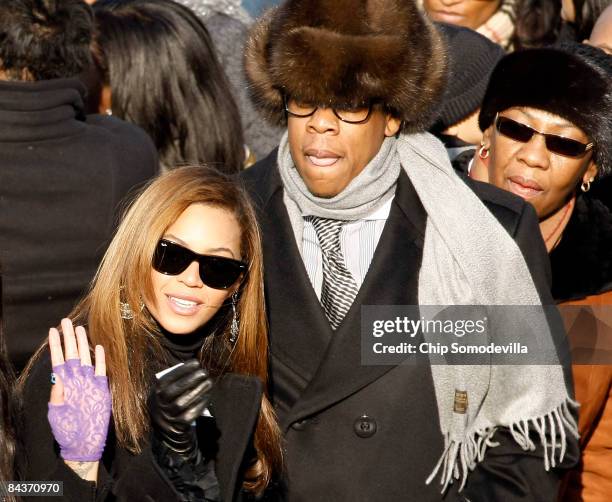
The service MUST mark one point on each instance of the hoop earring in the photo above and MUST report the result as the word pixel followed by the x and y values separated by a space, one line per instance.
pixel 483 152
pixel 586 185
pixel 235 327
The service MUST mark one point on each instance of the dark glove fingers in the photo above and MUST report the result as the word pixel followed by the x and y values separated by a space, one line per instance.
pixel 170 424
pixel 177 373
pixel 169 393
pixel 194 395
pixel 194 411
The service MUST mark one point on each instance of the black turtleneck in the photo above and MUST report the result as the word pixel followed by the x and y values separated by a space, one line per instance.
pixel 38 111
pixel 63 175
pixel 183 347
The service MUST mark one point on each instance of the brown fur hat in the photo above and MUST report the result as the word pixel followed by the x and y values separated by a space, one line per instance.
pixel 347 53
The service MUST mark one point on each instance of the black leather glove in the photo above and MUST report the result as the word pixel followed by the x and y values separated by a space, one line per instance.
pixel 179 397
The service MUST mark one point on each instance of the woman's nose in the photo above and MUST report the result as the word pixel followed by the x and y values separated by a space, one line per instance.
pixel 191 275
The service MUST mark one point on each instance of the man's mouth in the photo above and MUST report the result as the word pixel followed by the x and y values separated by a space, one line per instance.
pixel 321 158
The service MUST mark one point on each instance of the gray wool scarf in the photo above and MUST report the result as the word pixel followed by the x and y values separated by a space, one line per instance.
pixel 460 266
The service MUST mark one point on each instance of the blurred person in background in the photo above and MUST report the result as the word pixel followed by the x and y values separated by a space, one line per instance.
pixel 62 173
pixel 472 58
pixel 156 67
pixel 579 17
pixel 228 23
pixel 495 19
pixel 537 23
pixel 601 36
pixel 257 7
pixel 547 121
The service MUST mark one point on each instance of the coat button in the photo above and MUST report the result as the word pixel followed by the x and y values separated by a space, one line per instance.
pixel 365 426
pixel 300 425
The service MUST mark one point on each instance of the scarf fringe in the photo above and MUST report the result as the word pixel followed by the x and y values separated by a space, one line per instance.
pixel 462 456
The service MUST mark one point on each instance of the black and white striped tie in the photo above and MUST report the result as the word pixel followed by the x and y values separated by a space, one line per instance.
pixel 339 288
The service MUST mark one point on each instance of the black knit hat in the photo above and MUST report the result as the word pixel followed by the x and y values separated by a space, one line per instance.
pixel 472 58
pixel 571 85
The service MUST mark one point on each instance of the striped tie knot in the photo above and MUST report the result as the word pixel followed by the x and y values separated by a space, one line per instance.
pixel 328 232
pixel 339 289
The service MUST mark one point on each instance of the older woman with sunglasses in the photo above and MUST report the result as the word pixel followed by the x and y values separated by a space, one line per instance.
pixel 547 122
pixel 176 317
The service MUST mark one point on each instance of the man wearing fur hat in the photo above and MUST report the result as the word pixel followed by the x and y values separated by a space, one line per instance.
pixel 359 207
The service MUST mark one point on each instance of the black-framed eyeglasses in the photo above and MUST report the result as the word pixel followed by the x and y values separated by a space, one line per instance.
pixel 350 116
pixel 555 144
pixel 216 272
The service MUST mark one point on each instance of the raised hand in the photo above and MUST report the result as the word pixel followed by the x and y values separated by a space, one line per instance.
pixel 80 402
pixel 178 398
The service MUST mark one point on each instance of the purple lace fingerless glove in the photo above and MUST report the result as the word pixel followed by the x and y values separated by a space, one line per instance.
pixel 80 425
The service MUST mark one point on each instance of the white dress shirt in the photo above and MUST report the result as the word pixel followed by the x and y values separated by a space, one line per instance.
pixel 358 241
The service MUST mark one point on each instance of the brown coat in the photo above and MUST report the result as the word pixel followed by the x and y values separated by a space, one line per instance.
pixel 591 326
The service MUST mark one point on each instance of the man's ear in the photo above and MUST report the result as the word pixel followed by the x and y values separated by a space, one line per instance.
pixel 392 126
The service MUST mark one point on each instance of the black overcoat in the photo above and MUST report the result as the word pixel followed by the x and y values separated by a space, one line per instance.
pixel 63 176
pixel 371 433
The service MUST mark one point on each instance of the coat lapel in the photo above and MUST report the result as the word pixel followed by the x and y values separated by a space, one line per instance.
pixel 299 331
pixel 392 279
pixel 236 400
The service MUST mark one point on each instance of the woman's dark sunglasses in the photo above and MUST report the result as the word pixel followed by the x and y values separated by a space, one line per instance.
pixel 216 272
pixel 556 144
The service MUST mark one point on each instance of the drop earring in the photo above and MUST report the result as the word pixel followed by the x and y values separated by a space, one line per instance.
pixel 235 327
pixel 126 311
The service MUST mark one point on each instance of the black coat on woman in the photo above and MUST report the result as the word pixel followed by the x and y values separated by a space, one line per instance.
pixel 63 176
pixel 123 476
pixel 582 262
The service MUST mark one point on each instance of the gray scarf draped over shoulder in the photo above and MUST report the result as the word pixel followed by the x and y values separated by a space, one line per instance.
pixel 463 250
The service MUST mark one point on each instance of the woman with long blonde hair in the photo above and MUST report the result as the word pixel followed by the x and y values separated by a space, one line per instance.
pixel 176 316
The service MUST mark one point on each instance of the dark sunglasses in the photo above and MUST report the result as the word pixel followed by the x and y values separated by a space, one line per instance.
pixel 216 272
pixel 555 144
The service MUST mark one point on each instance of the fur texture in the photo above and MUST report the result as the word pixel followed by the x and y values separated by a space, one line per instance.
pixel 560 83
pixel 347 53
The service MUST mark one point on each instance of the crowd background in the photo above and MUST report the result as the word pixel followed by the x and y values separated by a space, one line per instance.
pixel 149 86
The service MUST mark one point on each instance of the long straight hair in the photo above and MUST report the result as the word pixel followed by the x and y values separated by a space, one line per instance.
pixel 124 275
pixel 164 75
pixel 7 407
